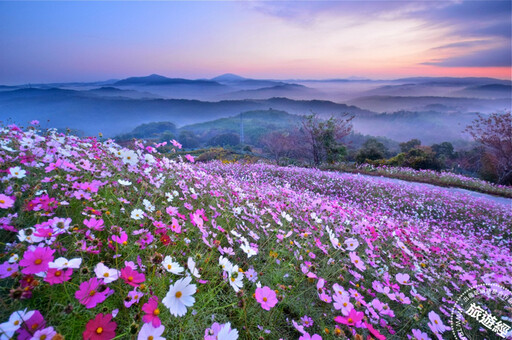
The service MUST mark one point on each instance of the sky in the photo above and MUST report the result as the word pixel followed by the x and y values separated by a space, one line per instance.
pixel 65 41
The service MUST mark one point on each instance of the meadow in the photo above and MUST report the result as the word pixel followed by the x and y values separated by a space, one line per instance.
pixel 103 242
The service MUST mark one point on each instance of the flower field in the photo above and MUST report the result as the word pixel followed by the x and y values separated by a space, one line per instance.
pixel 441 178
pixel 101 242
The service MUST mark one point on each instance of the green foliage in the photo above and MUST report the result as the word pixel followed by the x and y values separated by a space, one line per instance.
pixel 407 146
pixel 225 139
pixel 372 150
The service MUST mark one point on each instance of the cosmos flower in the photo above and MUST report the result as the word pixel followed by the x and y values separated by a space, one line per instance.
pixel 179 296
pixel 352 319
pixel 218 331
pixel 6 202
pixel 137 214
pixel 92 292
pixel 266 297
pixel 107 274
pixel 152 312
pixel 147 331
pixel 402 279
pixel 17 172
pixel 171 266
pixel 351 244
pixel 63 263
pixel 132 277
pixel 100 328
pixel 36 260
pixel 56 276
pixel 8 269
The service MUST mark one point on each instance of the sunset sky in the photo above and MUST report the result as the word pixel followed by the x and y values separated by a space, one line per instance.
pixel 88 41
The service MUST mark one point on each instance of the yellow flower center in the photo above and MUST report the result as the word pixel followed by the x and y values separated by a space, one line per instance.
pixel 156 311
pixel 105 275
pixel 130 278
pixel 92 292
pixel 99 330
pixel 344 304
pixel 38 261
pixel 2 201
pixel 16 323
pixel 178 295
pixel 350 320
pixel 169 266
pixel 150 337
pixel 58 273
pixel 265 299
pixel 42 337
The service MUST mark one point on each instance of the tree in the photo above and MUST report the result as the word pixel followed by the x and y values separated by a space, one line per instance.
pixel 494 132
pixel 443 150
pixel 188 139
pixel 323 137
pixel 225 139
pixel 372 150
pixel 408 146
pixel 281 144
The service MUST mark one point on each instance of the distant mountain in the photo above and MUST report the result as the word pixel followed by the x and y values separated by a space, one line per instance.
pixel 487 91
pixel 228 77
pixel 157 80
pixel 421 103
pixel 452 81
pixel 114 91
pixel 113 115
pixel 292 91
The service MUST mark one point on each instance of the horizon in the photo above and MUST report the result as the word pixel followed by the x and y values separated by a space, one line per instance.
pixel 291 79
pixel 61 42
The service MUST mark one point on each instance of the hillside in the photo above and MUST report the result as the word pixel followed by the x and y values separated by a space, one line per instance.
pixel 271 252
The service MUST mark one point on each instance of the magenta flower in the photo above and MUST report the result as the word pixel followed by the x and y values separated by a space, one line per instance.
pixel 152 312
pixel 56 276
pixel 132 277
pixel 266 297
pixel 92 292
pixel 94 223
pixel 356 260
pixel 352 319
pixel 36 261
pixel 8 269
pixel 133 297
pixel 30 326
pixel 6 201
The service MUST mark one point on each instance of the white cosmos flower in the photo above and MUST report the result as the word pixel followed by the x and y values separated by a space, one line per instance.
pixel 137 214
pixel 17 172
pixel 124 182
pixel 351 244
pixel 192 267
pixel 171 266
pixel 103 272
pixel 15 321
pixel 236 280
pixel 226 333
pixel 246 248
pixel 225 264
pixel 62 263
pixel 179 296
pixel 149 332
pixel 129 157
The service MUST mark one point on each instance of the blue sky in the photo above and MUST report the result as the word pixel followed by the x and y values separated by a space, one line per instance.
pixel 84 41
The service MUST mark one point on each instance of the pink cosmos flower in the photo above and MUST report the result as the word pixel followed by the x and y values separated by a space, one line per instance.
pixel 94 223
pixel 100 328
pixel 36 260
pixel 356 260
pixel 307 336
pixel 34 323
pixel 152 312
pixel 418 335
pixel 132 277
pixel 56 276
pixel 353 318
pixel 190 158
pixel 266 297
pixel 133 297
pixel 46 333
pixel 374 332
pixel 8 269
pixel 89 294
pixel 6 202
pixel 436 324
pixel 402 279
